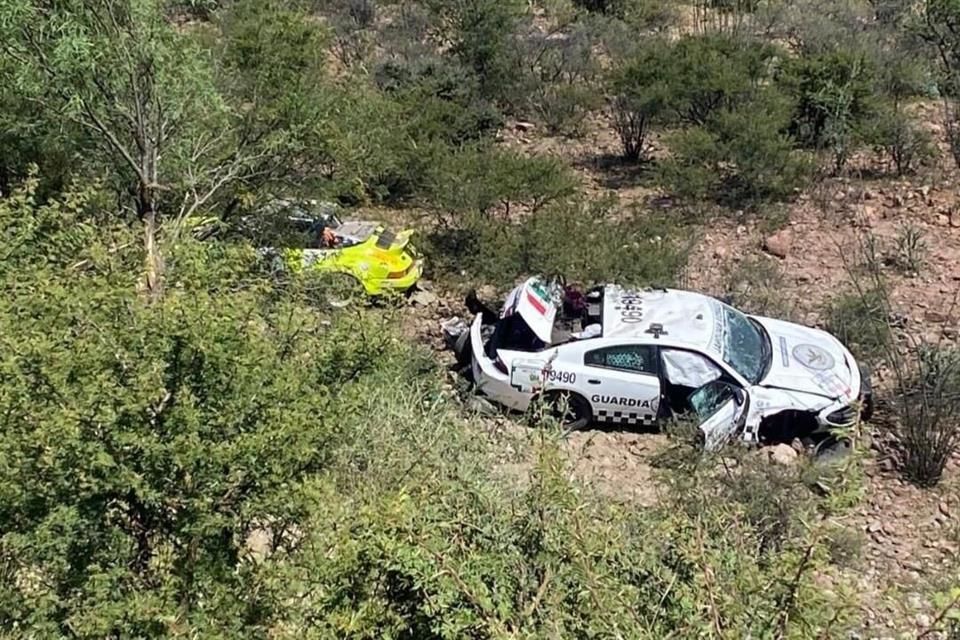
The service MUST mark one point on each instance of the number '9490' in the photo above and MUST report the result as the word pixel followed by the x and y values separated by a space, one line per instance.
pixel 565 377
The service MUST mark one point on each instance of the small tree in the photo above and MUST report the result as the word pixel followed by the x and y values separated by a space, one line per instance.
pixel 900 140
pixel 143 91
pixel 637 100
pixel 832 93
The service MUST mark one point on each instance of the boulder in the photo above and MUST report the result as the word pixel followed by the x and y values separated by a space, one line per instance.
pixel 782 454
pixel 778 244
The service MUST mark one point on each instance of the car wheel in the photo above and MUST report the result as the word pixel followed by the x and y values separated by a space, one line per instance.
pixel 570 409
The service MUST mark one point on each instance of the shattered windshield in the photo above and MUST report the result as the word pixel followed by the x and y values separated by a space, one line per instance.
pixel 745 345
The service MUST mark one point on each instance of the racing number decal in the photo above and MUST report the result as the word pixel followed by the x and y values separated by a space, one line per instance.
pixel 566 377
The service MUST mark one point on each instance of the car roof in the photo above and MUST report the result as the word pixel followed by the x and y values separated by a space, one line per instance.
pixel 683 318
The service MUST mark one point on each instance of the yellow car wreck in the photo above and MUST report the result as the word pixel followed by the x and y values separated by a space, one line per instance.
pixel 380 260
pixel 308 237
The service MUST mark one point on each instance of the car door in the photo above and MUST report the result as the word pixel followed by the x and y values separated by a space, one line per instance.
pixel 720 409
pixel 622 383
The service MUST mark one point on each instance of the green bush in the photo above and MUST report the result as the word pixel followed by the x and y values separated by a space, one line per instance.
pixel 482 178
pixel 859 320
pixel 444 551
pixel 902 142
pixel 706 74
pixel 481 35
pixel 739 157
pixel 562 83
pixel 833 94
pixel 639 97
pixel 582 242
pixel 442 98
pixel 927 406
pixel 142 442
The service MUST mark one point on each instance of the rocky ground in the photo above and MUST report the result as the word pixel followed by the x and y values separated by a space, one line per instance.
pixel 907 537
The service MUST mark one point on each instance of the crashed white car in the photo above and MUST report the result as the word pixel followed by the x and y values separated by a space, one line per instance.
pixel 640 356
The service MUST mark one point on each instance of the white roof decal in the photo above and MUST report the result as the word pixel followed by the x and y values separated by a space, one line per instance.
pixel 685 317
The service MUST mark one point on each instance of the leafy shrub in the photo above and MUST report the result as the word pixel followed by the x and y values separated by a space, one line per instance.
pixel 142 442
pixel 638 100
pixel 491 561
pixel 833 93
pixel 441 98
pixel 901 140
pixel 707 74
pixel 859 320
pixel 738 157
pixel 482 178
pixel 561 89
pixel 576 240
pixel 482 36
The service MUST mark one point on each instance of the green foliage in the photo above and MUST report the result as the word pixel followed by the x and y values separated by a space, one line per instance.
pixel 706 74
pixel 480 34
pixel 561 77
pixel 583 242
pixel 143 442
pixel 903 143
pixel 442 98
pixel 910 249
pixel 859 320
pixel 740 156
pixel 834 95
pixel 927 405
pixel 489 561
pixel 482 179
pixel 640 95
pixel 121 72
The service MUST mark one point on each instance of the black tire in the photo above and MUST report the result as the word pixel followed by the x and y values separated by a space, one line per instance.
pixel 570 409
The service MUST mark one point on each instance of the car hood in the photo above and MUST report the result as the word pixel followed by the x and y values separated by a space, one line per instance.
pixel 809 361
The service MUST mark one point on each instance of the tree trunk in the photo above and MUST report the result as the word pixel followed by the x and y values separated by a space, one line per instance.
pixel 153 272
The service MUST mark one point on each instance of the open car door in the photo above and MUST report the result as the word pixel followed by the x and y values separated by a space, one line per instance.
pixel 720 409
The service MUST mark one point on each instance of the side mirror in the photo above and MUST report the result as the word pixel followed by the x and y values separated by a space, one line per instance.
pixel 739 397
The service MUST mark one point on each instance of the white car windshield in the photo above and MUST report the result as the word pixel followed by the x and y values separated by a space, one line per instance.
pixel 745 345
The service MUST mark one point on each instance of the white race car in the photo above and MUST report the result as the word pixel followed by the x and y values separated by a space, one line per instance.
pixel 640 356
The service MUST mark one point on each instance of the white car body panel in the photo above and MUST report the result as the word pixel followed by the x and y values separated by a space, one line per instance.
pixel 809 370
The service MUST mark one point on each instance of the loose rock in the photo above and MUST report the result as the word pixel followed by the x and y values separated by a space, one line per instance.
pixel 778 244
pixel 782 454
